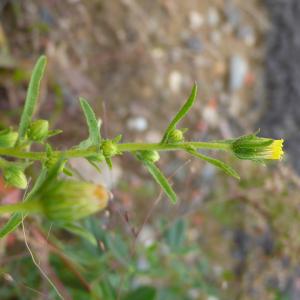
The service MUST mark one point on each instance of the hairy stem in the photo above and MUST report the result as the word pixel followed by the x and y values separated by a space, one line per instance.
pixel 125 147
pixel 22 207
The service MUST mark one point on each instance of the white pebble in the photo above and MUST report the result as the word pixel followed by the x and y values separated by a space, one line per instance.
pixel 238 72
pixel 175 81
pixel 196 19
pixel 137 123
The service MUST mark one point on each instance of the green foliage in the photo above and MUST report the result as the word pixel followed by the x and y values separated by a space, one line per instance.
pixel 32 96
pixel 38 130
pixel 44 179
pixel 175 235
pixel 181 114
pixel 142 293
pixel 217 163
pixel 161 180
pixel 94 138
pixel 8 138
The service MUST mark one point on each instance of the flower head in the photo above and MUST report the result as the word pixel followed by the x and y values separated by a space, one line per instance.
pixel 38 130
pixel 69 200
pixel 8 138
pixel 176 136
pixel 150 156
pixel 256 148
pixel 14 175
pixel 109 148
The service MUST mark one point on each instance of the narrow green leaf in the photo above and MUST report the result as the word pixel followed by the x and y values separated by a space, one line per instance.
pixel 109 162
pixel 52 133
pixel 181 113
pixel 217 163
pixel 175 235
pixel 93 125
pixel 13 222
pixel 161 180
pixel 32 95
pixel 118 249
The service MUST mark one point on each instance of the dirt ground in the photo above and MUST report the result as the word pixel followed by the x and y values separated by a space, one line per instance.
pixel 136 62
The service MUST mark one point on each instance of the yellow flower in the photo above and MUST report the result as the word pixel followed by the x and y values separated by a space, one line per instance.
pixel 258 149
pixel 276 151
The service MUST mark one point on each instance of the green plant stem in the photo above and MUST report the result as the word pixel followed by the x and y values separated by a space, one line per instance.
pixel 32 206
pixel 125 147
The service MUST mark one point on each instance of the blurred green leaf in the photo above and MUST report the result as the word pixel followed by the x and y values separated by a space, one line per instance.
pixel 103 290
pixel 175 235
pixel 217 163
pixel 118 249
pixel 169 294
pixel 142 293
pixel 32 95
pixel 52 133
pixel 80 231
pixel 181 113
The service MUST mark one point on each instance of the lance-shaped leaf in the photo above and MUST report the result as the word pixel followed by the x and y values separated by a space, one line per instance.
pixel 160 179
pixel 32 96
pixel 93 124
pixel 181 113
pixel 217 163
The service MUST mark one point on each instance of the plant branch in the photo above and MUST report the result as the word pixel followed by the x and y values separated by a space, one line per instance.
pixel 125 147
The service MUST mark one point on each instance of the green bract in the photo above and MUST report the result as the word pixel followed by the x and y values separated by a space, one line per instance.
pixel 38 130
pixel 14 175
pixel 252 147
pixel 70 200
pixel 64 201
pixel 150 156
pixel 175 136
pixel 8 138
pixel 109 148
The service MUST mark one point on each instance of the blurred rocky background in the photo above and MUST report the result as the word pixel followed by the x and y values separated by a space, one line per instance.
pixel 136 62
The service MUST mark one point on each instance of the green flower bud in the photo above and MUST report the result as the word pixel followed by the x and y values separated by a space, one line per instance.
pixel 256 148
pixel 52 161
pixel 109 148
pixel 175 136
pixel 14 175
pixel 151 156
pixel 8 138
pixel 70 200
pixel 38 130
